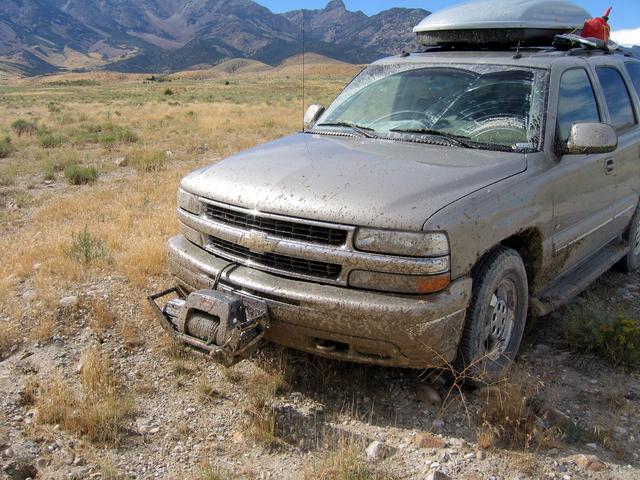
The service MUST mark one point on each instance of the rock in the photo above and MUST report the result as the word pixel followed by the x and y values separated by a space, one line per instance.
pixel 428 440
pixel 590 462
pixel 470 456
pixel 29 295
pixel 481 454
pixel 68 457
pixel 121 162
pixel 437 475
pixel 68 302
pixel 438 425
pixel 377 451
pixel 427 394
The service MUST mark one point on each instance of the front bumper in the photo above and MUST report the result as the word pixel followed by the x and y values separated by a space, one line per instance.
pixel 338 322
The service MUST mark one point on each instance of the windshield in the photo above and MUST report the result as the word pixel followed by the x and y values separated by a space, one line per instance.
pixel 491 105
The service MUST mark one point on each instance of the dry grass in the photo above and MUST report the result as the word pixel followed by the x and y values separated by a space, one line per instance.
pixel 101 317
pixel 345 462
pixel 262 388
pixel 508 417
pixel 8 337
pixel 99 412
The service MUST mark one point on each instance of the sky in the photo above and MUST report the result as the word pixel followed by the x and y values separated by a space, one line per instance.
pixel 625 16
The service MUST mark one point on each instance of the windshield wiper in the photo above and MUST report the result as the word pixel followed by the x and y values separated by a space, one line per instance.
pixel 461 141
pixel 362 130
pixel 457 139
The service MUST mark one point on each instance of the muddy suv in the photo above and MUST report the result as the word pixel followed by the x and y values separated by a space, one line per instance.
pixel 417 220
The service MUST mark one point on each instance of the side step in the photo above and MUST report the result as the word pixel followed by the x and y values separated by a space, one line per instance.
pixel 571 284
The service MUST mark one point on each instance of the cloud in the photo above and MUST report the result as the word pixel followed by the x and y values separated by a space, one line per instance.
pixel 626 37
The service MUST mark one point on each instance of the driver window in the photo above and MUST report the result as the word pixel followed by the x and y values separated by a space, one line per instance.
pixel 577 102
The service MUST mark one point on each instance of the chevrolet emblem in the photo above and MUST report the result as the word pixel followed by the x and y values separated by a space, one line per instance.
pixel 257 242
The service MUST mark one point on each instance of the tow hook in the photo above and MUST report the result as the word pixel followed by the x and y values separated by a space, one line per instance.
pixel 222 325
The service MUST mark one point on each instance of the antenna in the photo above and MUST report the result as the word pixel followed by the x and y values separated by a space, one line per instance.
pixel 303 83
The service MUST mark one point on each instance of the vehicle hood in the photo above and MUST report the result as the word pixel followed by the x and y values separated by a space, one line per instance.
pixel 354 181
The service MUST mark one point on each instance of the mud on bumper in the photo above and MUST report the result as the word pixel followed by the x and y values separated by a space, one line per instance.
pixel 337 322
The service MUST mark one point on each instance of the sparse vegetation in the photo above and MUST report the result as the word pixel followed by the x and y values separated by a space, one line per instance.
pixel 47 139
pixel 593 327
pixel 86 248
pixel 23 127
pixel 80 174
pixel 98 412
pixel 147 160
pixel 6 147
pixel 345 462
pixel 168 91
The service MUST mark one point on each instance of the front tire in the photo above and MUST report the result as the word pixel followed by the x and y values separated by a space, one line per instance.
pixel 495 318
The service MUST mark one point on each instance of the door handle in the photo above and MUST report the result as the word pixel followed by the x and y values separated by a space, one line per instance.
pixel 609 166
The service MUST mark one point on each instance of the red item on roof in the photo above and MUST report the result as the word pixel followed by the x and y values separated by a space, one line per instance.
pixel 598 27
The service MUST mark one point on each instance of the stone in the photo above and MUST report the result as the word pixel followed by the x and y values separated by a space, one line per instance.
pixel 428 440
pixel 121 162
pixel 481 454
pixel 427 394
pixel 29 295
pixel 437 475
pixel 377 451
pixel 470 456
pixel 438 425
pixel 69 301
pixel 590 462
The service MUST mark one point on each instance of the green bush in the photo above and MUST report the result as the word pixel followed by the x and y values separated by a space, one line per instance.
pixel 22 127
pixel 86 248
pixel 168 91
pixel 53 107
pixel 48 139
pixel 107 134
pixel 147 160
pixel 80 175
pixel 6 147
pixel 593 328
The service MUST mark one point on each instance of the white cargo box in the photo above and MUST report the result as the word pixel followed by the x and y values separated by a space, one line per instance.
pixel 500 23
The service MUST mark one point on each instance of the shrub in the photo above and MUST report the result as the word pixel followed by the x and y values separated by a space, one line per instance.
pixel 6 147
pixel 168 91
pixel 147 160
pixel 80 175
pixel 23 127
pixel 107 134
pixel 50 140
pixel 594 328
pixel 86 248
pixel 53 107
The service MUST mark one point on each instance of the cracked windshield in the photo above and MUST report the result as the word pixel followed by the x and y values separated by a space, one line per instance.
pixel 492 107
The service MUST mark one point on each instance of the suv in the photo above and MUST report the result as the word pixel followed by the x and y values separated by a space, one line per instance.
pixel 440 198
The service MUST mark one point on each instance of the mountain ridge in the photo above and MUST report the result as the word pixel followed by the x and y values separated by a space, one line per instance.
pixel 149 36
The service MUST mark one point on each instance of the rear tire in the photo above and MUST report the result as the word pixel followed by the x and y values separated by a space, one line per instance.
pixel 496 317
pixel 631 261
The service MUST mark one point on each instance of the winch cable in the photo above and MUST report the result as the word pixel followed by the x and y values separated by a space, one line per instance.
pixel 216 281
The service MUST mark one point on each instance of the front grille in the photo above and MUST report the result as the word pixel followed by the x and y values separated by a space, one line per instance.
pixel 277 227
pixel 280 262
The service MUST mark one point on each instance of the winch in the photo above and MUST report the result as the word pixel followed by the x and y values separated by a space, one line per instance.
pixel 222 325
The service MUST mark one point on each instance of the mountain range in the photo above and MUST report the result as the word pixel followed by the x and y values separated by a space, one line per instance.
pixel 46 36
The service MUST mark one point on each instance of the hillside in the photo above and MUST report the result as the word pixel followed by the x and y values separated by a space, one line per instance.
pixel 140 36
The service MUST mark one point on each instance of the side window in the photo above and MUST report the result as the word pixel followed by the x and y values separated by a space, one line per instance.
pixel 617 97
pixel 634 72
pixel 577 102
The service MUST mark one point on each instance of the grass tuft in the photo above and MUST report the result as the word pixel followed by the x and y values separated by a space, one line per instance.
pixel 86 249
pixel 148 160
pixel 6 147
pixel 80 175
pixel 345 462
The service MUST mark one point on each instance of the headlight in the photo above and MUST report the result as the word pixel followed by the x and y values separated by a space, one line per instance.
pixel 409 244
pixel 189 202
pixel 398 283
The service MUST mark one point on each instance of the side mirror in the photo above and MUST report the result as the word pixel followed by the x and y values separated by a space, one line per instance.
pixel 586 138
pixel 312 115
